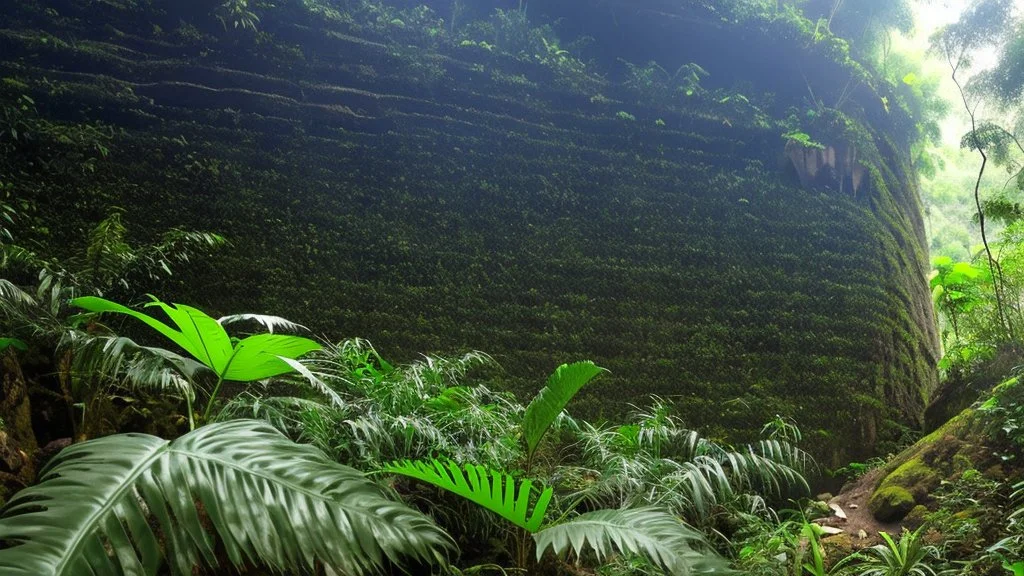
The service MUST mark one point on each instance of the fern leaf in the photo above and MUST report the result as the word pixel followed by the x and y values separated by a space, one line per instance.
pixel 650 532
pixel 121 504
pixel 491 489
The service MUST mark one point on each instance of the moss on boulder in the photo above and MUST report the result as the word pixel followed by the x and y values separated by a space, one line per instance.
pixel 910 478
pixel 891 504
pixel 915 477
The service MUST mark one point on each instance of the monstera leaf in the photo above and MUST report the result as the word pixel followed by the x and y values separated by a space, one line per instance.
pixel 125 504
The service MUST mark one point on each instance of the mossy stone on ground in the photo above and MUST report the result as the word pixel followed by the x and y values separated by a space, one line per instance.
pixel 916 517
pixel 915 477
pixel 837 547
pixel 891 504
pixel 945 453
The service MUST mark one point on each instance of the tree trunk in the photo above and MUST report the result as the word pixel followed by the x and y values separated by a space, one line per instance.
pixel 17 439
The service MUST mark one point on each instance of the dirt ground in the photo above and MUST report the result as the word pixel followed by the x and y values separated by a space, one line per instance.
pixel 860 524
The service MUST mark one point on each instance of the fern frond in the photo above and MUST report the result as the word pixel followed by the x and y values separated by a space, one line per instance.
pixel 491 489
pixel 650 532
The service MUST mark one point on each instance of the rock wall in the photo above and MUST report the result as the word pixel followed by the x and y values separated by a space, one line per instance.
pixel 435 196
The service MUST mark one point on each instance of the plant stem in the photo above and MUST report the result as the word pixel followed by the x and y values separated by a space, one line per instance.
pixel 522 557
pixel 213 396
pixel 191 417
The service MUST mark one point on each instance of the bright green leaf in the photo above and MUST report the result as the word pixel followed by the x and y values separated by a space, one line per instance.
pixel 491 489
pixel 561 387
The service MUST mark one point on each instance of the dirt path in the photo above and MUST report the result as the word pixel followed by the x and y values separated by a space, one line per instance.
pixel 860 524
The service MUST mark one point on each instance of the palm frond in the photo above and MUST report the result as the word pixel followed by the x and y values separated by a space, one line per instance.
pixel 650 532
pixel 491 489
pixel 12 295
pixel 561 387
pixel 120 504
pixel 122 360
pixel 107 254
pixel 252 358
pixel 313 381
pixel 271 323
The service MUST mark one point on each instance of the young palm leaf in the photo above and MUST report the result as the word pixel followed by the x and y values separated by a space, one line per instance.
pixel 491 489
pixel 252 358
pixel 650 532
pixel 121 504
pixel 15 343
pixel 561 387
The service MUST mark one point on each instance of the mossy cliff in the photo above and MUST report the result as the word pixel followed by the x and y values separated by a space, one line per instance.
pixel 381 176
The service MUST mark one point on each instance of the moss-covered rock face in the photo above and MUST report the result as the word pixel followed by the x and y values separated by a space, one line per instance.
pixel 382 176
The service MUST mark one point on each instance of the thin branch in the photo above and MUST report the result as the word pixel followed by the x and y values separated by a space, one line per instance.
pixel 994 268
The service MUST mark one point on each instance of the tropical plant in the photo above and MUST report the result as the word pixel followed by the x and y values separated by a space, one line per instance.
pixel 110 263
pixel 562 386
pixel 125 504
pixel 767 546
pixel 811 558
pixel 237 14
pixel 491 489
pixel 654 85
pixel 36 311
pixel 956 289
pixel 496 490
pixel 910 556
pixel 657 461
pixel 651 532
pixel 252 358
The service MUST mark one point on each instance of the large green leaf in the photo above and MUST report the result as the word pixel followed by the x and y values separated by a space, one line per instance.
pixel 6 343
pixel 561 387
pixel 258 356
pixel 491 489
pixel 121 504
pixel 253 358
pixel 97 304
pixel 210 344
pixel 649 532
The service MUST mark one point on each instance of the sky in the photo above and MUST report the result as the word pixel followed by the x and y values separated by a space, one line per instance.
pixel 930 16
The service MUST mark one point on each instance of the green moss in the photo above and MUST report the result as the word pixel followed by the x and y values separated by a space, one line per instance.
pixel 903 488
pixel 916 517
pixel 891 504
pixel 914 476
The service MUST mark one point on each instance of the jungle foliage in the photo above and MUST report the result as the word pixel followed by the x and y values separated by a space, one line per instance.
pixel 325 139
pixel 980 297
pixel 659 264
